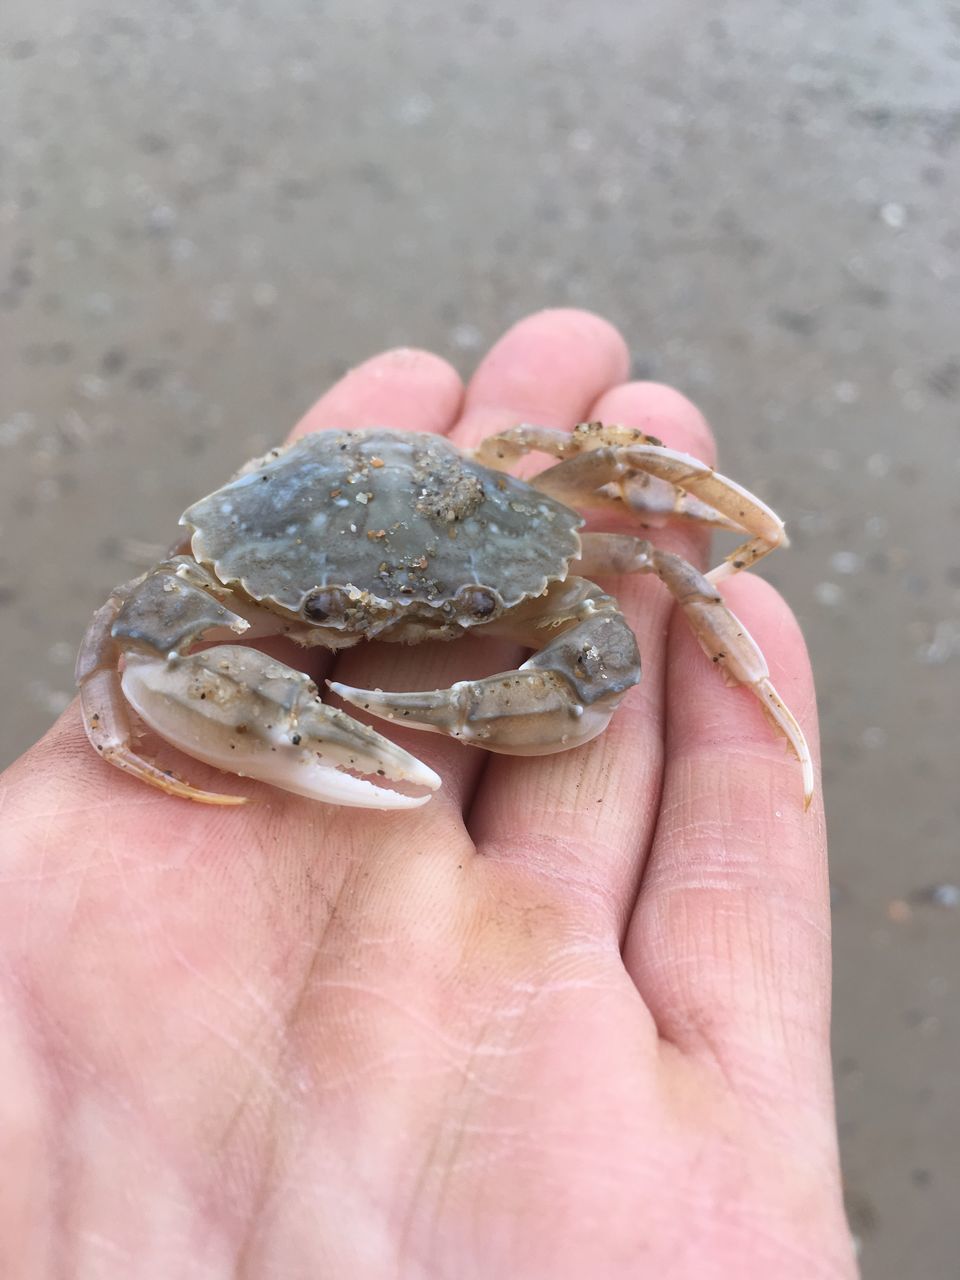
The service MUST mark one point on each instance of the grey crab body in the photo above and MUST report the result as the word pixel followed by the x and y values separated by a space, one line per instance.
pixel 354 535
pixel 395 535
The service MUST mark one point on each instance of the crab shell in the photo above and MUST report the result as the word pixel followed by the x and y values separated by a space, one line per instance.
pixel 361 534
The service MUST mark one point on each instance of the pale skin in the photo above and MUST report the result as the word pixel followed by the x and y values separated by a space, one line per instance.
pixel 569 1019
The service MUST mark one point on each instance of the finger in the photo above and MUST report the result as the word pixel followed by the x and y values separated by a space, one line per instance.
pixel 604 797
pixel 729 942
pixel 407 389
pixel 550 367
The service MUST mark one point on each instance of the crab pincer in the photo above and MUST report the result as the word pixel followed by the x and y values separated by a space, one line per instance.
pixel 230 705
pixel 561 697
pixel 238 709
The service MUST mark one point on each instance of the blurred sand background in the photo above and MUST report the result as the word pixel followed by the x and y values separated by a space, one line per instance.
pixel 209 211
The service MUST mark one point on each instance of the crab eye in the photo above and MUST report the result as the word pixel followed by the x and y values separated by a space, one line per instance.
pixel 477 602
pixel 324 605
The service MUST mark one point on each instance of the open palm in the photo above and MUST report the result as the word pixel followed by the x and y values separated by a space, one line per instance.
pixel 569 1019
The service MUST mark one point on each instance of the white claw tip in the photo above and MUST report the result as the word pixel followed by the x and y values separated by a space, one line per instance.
pixel 422 776
pixel 807 783
pixel 347 691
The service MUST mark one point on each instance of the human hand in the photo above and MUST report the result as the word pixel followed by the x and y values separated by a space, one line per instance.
pixel 568 1019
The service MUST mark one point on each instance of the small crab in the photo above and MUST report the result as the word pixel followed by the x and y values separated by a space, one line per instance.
pixel 345 536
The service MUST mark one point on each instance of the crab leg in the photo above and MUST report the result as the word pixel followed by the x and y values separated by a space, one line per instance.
pixel 104 708
pixel 503 449
pixel 574 480
pixel 721 634
pixel 600 463
pixel 561 697
pixel 655 501
pixel 230 706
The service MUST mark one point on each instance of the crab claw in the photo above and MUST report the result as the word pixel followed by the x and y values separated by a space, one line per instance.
pixel 517 713
pixel 238 709
pixel 561 697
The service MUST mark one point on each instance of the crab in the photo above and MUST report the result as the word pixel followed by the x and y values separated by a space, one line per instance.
pixel 356 535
